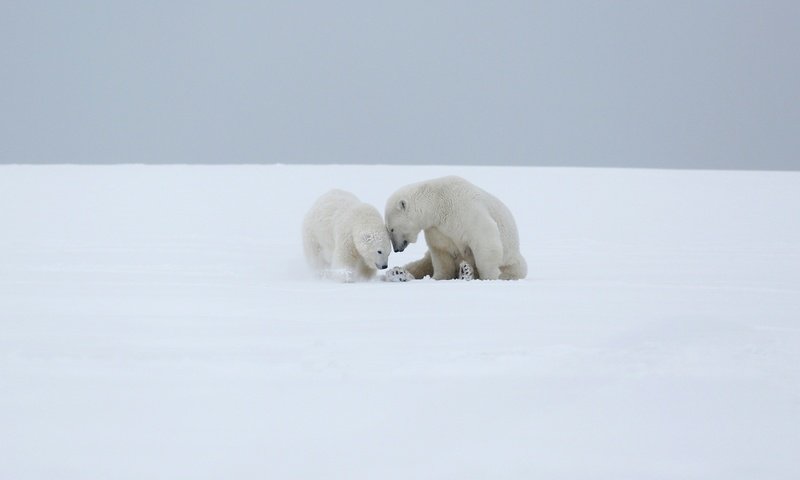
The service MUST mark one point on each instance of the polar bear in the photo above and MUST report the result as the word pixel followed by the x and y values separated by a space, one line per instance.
pixel 345 238
pixel 464 227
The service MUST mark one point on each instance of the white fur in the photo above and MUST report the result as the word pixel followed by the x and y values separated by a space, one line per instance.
pixel 462 223
pixel 344 238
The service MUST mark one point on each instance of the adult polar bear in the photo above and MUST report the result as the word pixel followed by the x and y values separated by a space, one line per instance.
pixel 463 226
pixel 345 238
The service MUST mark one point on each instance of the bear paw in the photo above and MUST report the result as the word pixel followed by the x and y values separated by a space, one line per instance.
pixel 339 275
pixel 398 274
pixel 465 271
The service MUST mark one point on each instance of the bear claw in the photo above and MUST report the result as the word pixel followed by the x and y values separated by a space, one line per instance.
pixel 398 274
pixel 465 271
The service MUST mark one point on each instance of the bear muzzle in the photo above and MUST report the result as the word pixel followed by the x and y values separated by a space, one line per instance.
pixel 401 247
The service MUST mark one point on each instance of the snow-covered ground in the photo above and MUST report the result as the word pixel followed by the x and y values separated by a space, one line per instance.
pixel 158 323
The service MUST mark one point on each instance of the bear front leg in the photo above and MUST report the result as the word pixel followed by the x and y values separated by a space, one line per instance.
pixel 342 267
pixel 444 265
pixel 365 272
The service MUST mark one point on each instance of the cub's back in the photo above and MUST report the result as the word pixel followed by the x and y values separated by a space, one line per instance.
pixel 325 210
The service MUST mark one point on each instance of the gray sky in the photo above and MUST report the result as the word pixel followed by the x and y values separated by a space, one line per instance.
pixel 702 84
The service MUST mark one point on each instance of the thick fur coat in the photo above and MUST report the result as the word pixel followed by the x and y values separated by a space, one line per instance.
pixel 345 238
pixel 463 225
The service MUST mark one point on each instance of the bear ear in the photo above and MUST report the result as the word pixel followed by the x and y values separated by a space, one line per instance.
pixel 402 205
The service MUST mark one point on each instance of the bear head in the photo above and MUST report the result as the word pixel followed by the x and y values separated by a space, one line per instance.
pixel 372 243
pixel 402 226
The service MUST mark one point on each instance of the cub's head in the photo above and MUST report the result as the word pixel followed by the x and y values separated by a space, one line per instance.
pixel 374 247
pixel 402 227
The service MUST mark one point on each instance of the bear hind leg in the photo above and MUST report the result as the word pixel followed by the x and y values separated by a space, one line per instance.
pixel 465 271
pixel 313 253
pixel 421 268
pixel 514 271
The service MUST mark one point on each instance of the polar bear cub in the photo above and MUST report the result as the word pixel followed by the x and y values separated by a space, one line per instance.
pixel 464 227
pixel 344 238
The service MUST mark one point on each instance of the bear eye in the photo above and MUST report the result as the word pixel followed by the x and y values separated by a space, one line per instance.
pixel 391 231
pixel 380 252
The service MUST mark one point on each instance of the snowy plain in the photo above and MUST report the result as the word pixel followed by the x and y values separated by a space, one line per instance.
pixel 158 322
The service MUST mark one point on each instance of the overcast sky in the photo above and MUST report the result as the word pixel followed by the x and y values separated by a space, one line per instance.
pixel 703 84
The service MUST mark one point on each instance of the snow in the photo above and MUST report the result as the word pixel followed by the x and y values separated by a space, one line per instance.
pixel 158 322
